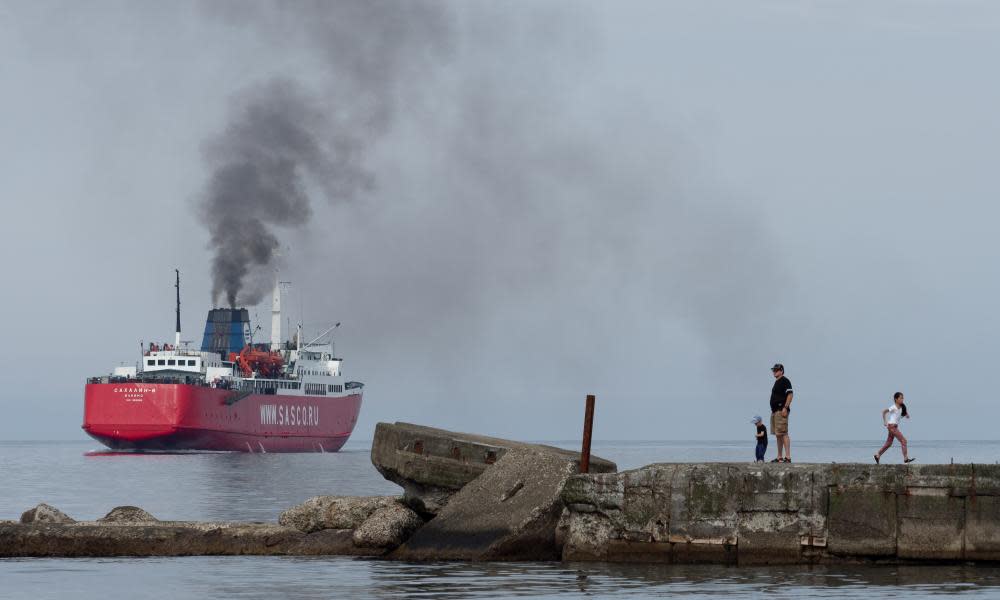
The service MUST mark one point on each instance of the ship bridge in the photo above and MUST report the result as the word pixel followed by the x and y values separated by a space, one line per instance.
pixel 186 361
pixel 316 359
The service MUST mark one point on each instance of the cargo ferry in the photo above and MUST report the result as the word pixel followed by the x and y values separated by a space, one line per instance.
pixel 229 395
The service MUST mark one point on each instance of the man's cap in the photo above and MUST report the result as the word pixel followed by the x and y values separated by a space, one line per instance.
pixel 778 367
pixel 756 419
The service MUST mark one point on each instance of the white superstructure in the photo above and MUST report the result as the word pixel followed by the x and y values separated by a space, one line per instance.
pixel 288 368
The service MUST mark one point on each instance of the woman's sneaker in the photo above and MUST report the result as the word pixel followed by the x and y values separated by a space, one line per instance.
pixel 876 458
pixel 909 460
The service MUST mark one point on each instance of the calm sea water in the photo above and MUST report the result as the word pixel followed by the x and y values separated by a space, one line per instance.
pixel 86 483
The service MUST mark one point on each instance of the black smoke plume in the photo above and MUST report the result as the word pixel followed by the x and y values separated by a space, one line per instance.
pixel 285 143
pixel 515 207
pixel 258 182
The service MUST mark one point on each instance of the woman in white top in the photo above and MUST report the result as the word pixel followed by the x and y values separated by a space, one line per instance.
pixel 894 413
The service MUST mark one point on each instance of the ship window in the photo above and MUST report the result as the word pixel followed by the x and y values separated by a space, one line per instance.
pixel 170 362
pixel 150 362
pixel 161 362
pixel 317 389
pixel 191 362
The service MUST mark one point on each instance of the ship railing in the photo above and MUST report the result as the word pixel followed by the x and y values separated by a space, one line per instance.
pixel 262 386
pixel 188 380
pixel 172 352
pixel 225 384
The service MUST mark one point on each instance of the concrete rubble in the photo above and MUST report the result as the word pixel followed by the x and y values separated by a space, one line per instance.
pixel 375 521
pixel 332 512
pixel 43 513
pixel 387 527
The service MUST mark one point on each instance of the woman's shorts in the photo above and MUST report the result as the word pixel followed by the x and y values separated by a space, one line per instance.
pixel 779 423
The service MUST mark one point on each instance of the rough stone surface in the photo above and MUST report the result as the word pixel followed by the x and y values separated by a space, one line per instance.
pixel 862 522
pixel 510 512
pixel 387 527
pixel 591 534
pixel 931 524
pixel 333 512
pixel 43 513
pixel 432 464
pixel 982 528
pixel 128 514
pixel 172 539
pixel 783 514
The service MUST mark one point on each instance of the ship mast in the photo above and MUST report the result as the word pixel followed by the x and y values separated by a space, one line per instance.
pixel 177 331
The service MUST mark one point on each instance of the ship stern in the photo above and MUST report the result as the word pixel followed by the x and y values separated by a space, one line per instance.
pixel 133 415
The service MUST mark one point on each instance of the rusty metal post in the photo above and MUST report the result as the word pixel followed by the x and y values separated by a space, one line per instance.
pixel 588 429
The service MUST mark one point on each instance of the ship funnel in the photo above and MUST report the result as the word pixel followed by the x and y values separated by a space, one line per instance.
pixel 226 331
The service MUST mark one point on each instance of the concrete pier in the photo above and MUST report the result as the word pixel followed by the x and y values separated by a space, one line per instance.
pixel 476 498
pixel 784 514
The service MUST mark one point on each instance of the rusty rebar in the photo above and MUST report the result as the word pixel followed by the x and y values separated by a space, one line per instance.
pixel 588 429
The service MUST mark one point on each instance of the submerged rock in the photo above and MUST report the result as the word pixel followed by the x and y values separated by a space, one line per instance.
pixel 43 513
pixel 333 512
pixel 387 527
pixel 128 514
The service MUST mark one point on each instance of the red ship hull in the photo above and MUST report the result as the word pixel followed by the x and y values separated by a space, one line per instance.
pixel 161 416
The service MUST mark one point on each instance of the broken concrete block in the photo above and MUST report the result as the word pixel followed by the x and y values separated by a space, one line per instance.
pixel 432 464
pixel 510 512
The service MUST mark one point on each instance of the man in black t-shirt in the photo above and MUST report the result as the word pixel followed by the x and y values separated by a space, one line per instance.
pixel 781 404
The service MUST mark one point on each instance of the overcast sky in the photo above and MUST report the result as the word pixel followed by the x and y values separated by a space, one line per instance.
pixel 651 202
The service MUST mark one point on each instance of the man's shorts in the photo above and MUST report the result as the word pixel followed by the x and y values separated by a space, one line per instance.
pixel 779 423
